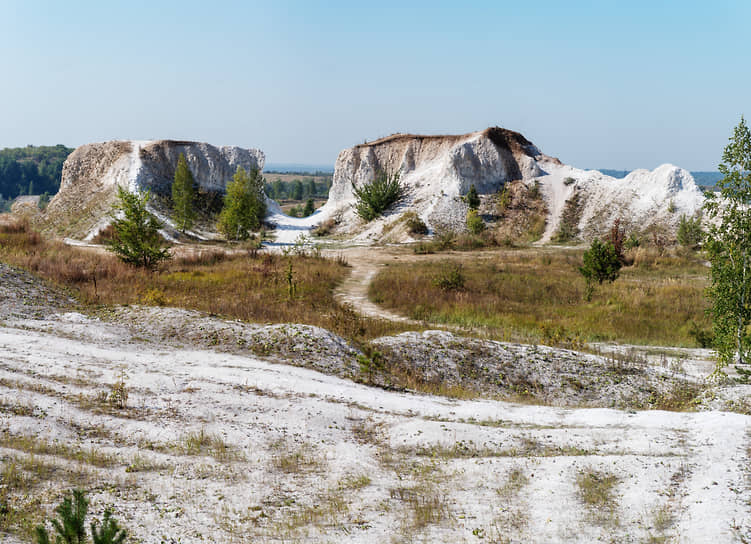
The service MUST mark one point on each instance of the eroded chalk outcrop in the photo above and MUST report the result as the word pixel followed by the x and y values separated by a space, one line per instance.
pixel 437 171
pixel 93 172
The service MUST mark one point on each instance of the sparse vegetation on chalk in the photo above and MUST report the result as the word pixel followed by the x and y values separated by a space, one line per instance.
pixel 375 197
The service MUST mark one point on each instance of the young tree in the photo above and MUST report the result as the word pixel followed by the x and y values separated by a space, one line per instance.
pixel 183 195
pixel 309 208
pixel 690 233
pixel 71 528
pixel 136 237
pixel 297 190
pixel 109 532
pixel 601 263
pixel 473 199
pixel 310 187
pixel 277 189
pixel 728 244
pixel 475 224
pixel 244 205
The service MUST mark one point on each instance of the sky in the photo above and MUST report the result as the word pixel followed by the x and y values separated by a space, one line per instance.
pixel 599 84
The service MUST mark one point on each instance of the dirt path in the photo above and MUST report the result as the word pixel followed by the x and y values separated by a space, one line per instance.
pixel 353 291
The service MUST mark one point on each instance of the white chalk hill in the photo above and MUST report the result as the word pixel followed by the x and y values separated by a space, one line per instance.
pixel 438 170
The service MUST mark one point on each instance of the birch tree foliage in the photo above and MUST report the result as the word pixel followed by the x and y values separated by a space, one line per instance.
pixel 729 251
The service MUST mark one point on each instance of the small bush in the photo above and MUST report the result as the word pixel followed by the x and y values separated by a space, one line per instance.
pixel 704 337
pixel 475 224
pixel 118 396
pixel 376 197
pixel 535 193
pixel 616 237
pixel 450 278
pixel 504 199
pixel 632 241
pixel 690 233
pixel 325 228
pixel 568 181
pixel 415 225
pixel 424 248
pixel 601 263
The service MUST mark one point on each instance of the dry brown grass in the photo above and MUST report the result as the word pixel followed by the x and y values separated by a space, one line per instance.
pixel 521 294
pixel 249 286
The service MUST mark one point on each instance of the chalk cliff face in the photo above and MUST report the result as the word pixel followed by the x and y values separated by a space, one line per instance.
pixel 92 173
pixel 437 170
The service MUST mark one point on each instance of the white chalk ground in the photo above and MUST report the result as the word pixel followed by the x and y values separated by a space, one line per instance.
pixel 665 193
pixel 289 230
pixel 313 458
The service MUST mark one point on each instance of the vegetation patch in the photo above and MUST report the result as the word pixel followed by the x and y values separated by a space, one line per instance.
pixel 374 198
pixel 516 294
pixel 521 213
pixel 596 489
pixel 568 228
pixel 248 286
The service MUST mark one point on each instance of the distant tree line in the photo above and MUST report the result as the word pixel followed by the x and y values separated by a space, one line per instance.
pixel 31 170
pixel 298 189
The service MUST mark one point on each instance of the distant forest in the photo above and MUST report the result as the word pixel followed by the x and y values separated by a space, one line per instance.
pixel 704 179
pixel 30 170
pixel 298 189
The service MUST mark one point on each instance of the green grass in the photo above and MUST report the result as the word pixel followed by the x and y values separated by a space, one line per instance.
pixel 524 294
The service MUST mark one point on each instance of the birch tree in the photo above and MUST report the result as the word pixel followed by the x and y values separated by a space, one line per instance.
pixel 729 250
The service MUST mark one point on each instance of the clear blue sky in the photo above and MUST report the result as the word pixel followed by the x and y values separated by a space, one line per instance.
pixel 600 84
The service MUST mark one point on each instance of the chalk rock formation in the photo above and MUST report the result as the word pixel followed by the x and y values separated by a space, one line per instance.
pixel 92 173
pixel 438 170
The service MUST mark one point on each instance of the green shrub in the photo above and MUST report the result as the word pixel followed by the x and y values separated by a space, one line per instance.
pixel 535 192
pixel 475 224
pixel 632 241
pixel 601 263
pixel 703 336
pixel 690 233
pixel 450 278
pixel 373 198
pixel 504 199
pixel 473 199
pixel 568 181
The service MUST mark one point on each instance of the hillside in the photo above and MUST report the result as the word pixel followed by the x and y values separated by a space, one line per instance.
pixel 437 171
pixel 93 172
pixel 572 205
